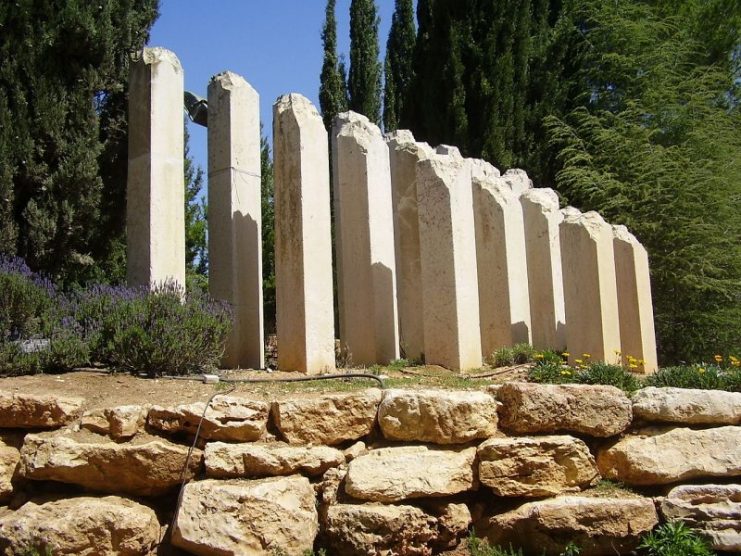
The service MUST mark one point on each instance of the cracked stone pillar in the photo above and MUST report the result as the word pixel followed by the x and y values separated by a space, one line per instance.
pixel 303 242
pixel 504 307
pixel 448 261
pixel 517 180
pixel 235 218
pixel 365 219
pixel 590 289
pixel 545 278
pixel 155 213
pixel 404 153
pixel 637 335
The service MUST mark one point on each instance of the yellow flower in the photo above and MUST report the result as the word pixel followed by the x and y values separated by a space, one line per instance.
pixel 565 354
pixel 632 366
pixel 538 356
pixel 586 355
pixel 566 373
pixel 701 370
pixel 718 358
pixel 733 359
pixel 579 361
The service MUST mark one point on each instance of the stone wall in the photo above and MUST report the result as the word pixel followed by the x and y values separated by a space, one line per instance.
pixel 371 471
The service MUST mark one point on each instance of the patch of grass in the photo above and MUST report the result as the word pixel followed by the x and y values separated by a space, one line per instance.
pixel 523 353
pixel 674 539
pixel 551 372
pixel 503 357
pixel 706 377
pixel 611 375
pixel 480 547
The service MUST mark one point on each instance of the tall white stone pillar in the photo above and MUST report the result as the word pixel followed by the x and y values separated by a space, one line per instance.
pixel 545 278
pixel 590 290
pixel 155 213
pixel 303 242
pixel 234 214
pixel 637 335
pixel 448 261
pixel 362 181
pixel 504 307
pixel 404 153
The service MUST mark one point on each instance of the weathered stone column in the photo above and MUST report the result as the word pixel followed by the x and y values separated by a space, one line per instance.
pixel 504 306
pixel 235 218
pixel 590 290
pixel 517 180
pixel 155 213
pixel 448 262
pixel 303 242
pixel 545 278
pixel 635 306
pixel 404 153
pixel 362 181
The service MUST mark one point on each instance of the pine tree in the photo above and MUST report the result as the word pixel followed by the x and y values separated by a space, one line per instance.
pixel 398 69
pixel 196 251
pixel 332 88
pixel 364 80
pixel 267 190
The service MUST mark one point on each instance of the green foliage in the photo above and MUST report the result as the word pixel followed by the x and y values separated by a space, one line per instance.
pixel 523 353
pixel 26 308
pixel 611 375
pixel 332 86
pixel 364 81
pixel 502 357
pixel 267 197
pixel 706 377
pixel 479 547
pixel 551 372
pixel 398 69
pixel 516 355
pixel 196 250
pixel 673 539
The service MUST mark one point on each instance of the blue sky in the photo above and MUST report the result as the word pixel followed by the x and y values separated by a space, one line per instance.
pixel 275 45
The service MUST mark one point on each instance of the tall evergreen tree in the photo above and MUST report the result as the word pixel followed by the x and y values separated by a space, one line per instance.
pixel 398 68
pixel 267 190
pixel 63 67
pixel 196 253
pixel 332 87
pixel 364 80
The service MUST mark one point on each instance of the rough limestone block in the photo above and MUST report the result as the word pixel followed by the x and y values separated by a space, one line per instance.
pixel 545 277
pixel 689 406
pixel 590 289
pixel 504 306
pixel 235 217
pixel 637 335
pixel 303 241
pixel 367 271
pixel 517 180
pixel 9 459
pixel 155 205
pixel 404 153
pixel 659 456
pixel 37 411
pixel 448 261
pixel 482 169
pixel 123 421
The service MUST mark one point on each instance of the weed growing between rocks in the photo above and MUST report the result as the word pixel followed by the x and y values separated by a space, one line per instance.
pixel 672 539
pixel 706 377
pixel 479 547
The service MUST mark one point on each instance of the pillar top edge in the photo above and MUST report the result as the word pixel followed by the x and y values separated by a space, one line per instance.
pixel 296 102
pixel 544 196
pixel 622 233
pixel 230 80
pixel 157 55
pixel 347 123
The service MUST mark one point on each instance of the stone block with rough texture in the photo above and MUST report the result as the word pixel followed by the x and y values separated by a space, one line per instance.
pixel 264 460
pixel 228 418
pixel 598 526
pixel 593 410
pixel 37 411
pixel 405 472
pixel 149 468
pixel 688 406
pixel 82 526
pixel 714 511
pixel 517 180
pixel 123 421
pixel 327 419
pixel 659 456
pixel 437 416
pixel 536 466
pixel 263 517
pixel 303 239
pixel 10 457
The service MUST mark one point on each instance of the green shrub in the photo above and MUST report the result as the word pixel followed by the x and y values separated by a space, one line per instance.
pixel 522 353
pixel 611 375
pixel 478 547
pixel 674 539
pixel 551 372
pixel 502 357
pixel 707 377
pixel 27 301
pixel 548 356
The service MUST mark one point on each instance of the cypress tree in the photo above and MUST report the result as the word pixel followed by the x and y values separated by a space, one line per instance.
pixel 267 191
pixel 364 81
pixel 398 70
pixel 196 253
pixel 332 88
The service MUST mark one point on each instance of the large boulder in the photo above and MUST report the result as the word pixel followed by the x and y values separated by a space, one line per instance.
pixel 661 456
pixel 536 466
pixel 82 526
pixel 265 460
pixel 599 526
pixel 688 406
pixel 9 459
pixel 437 416
pixel 364 529
pixel 150 467
pixel 32 411
pixel 264 517
pixel 328 419
pixel 404 472
pixel 593 410
pixel 714 511
pixel 228 418
pixel 119 422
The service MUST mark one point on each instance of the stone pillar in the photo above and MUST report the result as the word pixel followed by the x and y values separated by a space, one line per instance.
pixel 637 335
pixel 448 262
pixel 504 307
pixel 362 181
pixel 303 241
pixel 404 153
pixel 155 213
pixel 517 180
pixel 590 290
pixel 235 218
pixel 545 278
